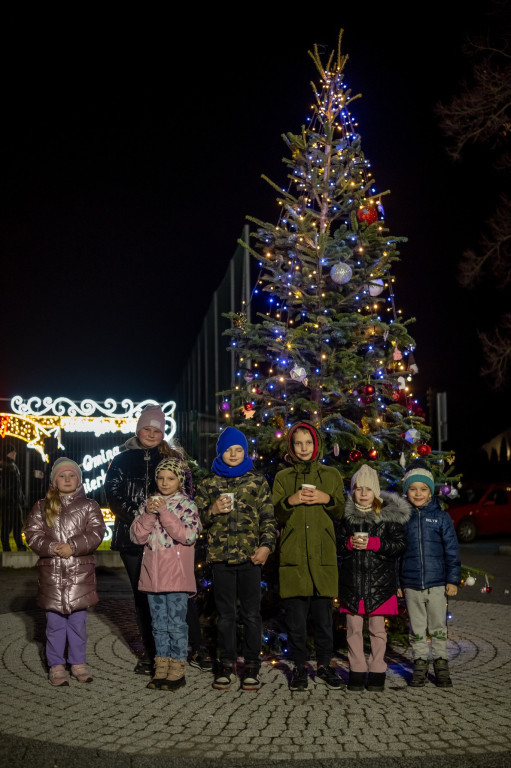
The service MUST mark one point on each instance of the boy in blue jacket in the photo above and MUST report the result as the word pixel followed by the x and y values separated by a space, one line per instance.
pixel 430 570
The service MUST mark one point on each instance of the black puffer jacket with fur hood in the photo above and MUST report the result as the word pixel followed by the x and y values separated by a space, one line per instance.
pixel 367 574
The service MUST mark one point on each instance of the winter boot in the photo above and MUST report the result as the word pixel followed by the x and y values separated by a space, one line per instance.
pixel 175 675
pixel 161 665
pixel 442 677
pixel 420 671
pixel 376 681
pixel 356 681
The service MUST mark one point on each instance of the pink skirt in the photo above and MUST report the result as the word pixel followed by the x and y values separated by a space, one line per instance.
pixel 388 608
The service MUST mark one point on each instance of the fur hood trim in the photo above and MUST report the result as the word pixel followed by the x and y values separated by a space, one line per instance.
pixel 396 509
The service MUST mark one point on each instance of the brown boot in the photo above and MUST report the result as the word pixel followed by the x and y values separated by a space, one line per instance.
pixel 175 675
pixel 161 666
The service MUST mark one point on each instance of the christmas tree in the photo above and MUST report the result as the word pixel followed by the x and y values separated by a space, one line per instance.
pixel 329 344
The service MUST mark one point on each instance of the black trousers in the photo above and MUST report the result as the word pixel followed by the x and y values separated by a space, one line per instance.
pixel 296 611
pixel 238 586
pixel 10 520
pixel 132 562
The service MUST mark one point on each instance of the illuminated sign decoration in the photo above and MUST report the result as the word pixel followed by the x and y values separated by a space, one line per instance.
pixel 36 420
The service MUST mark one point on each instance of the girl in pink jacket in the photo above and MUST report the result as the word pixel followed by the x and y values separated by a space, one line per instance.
pixel 168 525
pixel 64 529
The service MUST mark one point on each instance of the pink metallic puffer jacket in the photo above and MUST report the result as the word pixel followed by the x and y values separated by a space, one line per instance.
pixel 169 552
pixel 67 584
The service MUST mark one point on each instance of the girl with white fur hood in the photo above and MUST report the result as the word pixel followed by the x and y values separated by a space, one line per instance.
pixel 368 576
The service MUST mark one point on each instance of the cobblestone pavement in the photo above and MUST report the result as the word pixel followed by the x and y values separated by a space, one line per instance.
pixel 116 720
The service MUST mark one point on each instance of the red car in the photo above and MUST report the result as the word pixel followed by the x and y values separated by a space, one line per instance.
pixel 482 510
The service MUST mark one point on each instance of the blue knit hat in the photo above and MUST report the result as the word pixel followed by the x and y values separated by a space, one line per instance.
pixel 231 436
pixel 419 473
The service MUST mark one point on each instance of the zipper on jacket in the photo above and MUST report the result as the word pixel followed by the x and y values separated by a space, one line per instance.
pixel 420 548
pixel 147 458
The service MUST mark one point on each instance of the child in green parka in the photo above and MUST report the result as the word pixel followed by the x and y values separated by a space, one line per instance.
pixel 308 496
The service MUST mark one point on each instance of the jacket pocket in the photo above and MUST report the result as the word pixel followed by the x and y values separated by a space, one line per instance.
pixel 288 552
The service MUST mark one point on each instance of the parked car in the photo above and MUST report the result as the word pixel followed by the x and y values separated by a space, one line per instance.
pixel 482 510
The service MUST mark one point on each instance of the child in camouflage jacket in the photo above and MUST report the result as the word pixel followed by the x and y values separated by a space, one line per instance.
pixel 237 512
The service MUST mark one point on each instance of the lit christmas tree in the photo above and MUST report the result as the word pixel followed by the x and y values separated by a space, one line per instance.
pixel 330 346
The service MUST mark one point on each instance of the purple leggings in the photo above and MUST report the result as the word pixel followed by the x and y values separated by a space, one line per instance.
pixel 62 628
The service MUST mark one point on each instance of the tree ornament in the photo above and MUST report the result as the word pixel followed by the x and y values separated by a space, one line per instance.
pixel 341 273
pixel 412 435
pixel 248 410
pixel 453 493
pixel 375 287
pixel 373 454
pixel 369 389
pixel 369 214
pixel 355 455
pixel 397 354
pixel 298 373
pixel 248 376
pixel 278 434
pixel 402 460
pixel 225 406
pixel 424 449
pixel 445 490
pixel 401 382
pixel 336 449
pixel 470 580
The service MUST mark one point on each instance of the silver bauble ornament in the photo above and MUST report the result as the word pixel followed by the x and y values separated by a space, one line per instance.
pixel 341 273
pixel 375 287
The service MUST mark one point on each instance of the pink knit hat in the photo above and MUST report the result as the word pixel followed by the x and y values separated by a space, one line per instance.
pixel 65 465
pixel 151 416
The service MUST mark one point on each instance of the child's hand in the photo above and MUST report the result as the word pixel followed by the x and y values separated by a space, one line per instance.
pixel 260 556
pixel 359 542
pixel 154 504
pixel 451 590
pixel 222 506
pixel 63 550
pixel 399 592
pixel 313 496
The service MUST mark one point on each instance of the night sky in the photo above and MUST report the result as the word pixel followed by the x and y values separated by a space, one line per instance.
pixel 132 150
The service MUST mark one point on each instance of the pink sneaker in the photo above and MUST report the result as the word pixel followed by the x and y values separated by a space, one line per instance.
pixel 82 673
pixel 58 675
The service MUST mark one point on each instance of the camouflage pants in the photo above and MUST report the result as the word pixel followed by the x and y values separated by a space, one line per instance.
pixel 427 611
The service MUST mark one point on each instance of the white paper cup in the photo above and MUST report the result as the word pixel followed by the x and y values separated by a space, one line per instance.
pixel 307 485
pixel 230 496
pixel 360 535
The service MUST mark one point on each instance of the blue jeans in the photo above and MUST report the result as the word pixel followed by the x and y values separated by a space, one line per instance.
pixel 170 630
pixel 233 584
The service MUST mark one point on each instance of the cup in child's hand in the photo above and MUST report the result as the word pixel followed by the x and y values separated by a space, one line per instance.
pixel 229 496
pixel 308 487
pixel 361 535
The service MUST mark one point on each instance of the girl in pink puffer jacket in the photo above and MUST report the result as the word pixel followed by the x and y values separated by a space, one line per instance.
pixel 168 525
pixel 64 529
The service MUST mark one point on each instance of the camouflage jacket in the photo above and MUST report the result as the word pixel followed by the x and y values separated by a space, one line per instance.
pixel 234 537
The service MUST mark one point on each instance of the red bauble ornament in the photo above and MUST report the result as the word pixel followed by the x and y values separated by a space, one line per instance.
pixel 355 455
pixel 369 389
pixel 373 454
pixel 248 406
pixel 368 214
pixel 424 450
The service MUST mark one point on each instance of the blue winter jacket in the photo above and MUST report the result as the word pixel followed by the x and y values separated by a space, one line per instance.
pixel 431 558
